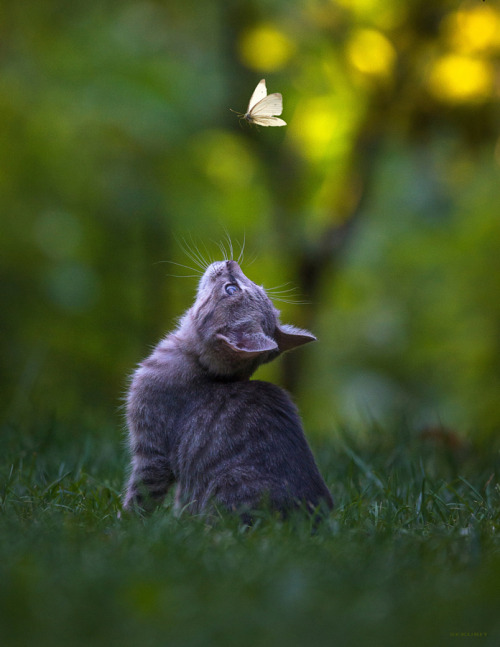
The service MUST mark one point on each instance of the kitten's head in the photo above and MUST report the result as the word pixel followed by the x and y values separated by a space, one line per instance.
pixel 236 326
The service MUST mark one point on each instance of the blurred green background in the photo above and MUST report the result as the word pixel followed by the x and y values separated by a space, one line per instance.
pixel 379 202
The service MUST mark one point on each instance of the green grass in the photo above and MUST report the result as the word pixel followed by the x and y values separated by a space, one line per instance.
pixel 410 556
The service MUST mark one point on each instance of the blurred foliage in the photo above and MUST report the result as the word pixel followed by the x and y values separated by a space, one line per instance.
pixel 379 201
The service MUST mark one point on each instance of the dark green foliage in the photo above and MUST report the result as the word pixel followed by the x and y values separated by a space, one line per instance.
pixel 379 201
pixel 410 555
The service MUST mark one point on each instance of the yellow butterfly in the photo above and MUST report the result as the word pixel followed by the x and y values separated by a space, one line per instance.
pixel 263 107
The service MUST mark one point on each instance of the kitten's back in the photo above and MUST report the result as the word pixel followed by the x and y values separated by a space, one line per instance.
pixel 241 442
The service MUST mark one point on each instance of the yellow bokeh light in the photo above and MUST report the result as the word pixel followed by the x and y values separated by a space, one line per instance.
pixel 475 30
pixel 377 12
pixel 371 53
pixel 313 127
pixel 265 48
pixel 461 79
pixel 362 7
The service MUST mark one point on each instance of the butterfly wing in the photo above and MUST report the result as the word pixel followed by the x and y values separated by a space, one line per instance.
pixel 259 93
pixel 268 106
pixel 268 121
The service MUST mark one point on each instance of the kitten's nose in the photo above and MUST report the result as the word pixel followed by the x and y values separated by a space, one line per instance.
pixel 232 265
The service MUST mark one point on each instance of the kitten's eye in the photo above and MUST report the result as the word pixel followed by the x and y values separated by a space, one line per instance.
pixel 231 288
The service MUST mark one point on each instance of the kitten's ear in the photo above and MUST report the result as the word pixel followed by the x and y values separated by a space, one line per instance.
pixel 249 345
pixel 289 337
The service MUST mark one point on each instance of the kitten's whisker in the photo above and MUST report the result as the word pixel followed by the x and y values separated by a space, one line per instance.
pixel 191 250
pixel 199 255
pixel 252 260
pixel 227 256
pixel 197 262
pixel 209 255
pixel 287 295
pixel 281 285
pixel 291 301
pixel 193 255
pixel 230 245
pixel 242 249
pixel 183 244
pixel 220 245
pixel 187 267
pixel 290 291
pixel 284 295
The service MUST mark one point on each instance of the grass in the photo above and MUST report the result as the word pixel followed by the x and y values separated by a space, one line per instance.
pixel 409 556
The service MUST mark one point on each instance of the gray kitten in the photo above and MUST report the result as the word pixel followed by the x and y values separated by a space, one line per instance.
pixel 197 420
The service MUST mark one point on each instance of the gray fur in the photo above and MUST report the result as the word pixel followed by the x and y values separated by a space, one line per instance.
pixel 197 420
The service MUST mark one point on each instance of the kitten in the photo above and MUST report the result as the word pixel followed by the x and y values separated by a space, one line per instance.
pixel 197 420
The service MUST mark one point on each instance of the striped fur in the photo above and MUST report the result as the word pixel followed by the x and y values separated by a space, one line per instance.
pixel 197 420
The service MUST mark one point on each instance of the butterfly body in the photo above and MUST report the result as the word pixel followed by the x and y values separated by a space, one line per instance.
pixel 263 108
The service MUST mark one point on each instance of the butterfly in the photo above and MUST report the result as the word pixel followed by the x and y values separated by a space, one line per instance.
pixel 263 107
